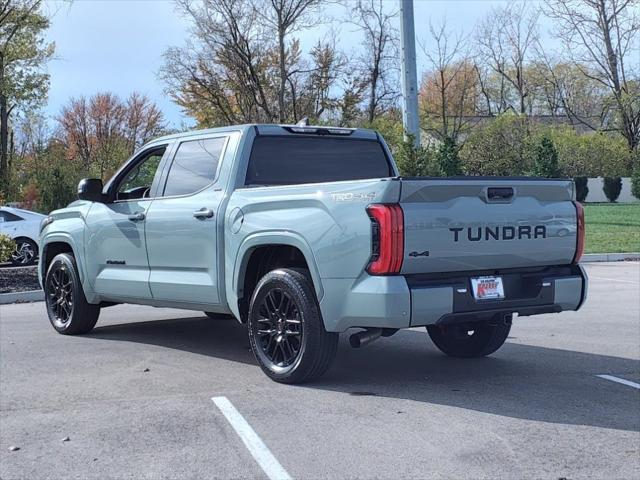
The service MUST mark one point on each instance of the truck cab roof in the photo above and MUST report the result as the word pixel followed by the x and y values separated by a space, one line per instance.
pixel 277 129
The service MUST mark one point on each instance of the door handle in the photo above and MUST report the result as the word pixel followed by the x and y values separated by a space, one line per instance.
pixel 203 213
pixel 137 217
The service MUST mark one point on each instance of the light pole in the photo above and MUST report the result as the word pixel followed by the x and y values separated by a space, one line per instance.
pixel 410 120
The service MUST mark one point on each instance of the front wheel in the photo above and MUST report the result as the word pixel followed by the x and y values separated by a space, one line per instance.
pixel 26 252
pixel 286 331
pixel 68 309
pixel 471 340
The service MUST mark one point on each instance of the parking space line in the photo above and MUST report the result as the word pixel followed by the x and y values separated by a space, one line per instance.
pixel 614 280
pixel 251 440
pixel 628 383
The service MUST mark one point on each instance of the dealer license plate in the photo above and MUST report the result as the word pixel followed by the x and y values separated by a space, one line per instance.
pixel 487 288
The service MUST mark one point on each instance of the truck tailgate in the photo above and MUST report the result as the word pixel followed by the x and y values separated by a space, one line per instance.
pixel 486 223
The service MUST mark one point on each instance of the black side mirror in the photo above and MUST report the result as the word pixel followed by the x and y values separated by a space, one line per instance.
pixel 90 189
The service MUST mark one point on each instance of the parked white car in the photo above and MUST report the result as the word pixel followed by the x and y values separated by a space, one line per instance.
pixel 24 227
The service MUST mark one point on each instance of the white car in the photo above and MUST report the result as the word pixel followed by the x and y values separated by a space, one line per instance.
pixel 23 227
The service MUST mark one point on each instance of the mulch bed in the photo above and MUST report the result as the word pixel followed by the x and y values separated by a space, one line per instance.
pixel 18 279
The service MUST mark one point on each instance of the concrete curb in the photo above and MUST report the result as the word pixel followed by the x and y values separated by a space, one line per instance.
pixel 610 257
pixel 22 297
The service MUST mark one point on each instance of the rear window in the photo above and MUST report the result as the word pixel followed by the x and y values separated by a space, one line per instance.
pixel 194 166
pixel 295 160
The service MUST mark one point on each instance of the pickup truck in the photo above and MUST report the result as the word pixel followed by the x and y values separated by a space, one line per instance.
pixel 303 232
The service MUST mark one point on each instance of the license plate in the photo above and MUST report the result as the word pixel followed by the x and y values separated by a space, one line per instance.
pixel 487 288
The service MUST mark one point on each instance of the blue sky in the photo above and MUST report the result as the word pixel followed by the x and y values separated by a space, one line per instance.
pixel 117 45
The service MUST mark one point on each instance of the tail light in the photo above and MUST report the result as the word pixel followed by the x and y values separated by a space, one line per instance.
pixel 580 235
pixel 387 245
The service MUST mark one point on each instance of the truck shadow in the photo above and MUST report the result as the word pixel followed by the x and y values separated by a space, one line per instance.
pixel 519 381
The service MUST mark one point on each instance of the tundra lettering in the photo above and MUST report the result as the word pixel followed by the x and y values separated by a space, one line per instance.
pixel 303 232
pixel 475 234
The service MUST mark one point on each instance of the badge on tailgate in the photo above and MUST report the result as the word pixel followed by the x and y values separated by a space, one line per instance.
pixel 487 288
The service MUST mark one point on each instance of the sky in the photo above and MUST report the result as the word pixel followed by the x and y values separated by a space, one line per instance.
pixel 117 45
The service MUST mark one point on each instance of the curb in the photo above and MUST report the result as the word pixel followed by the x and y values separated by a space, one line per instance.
pixel 610 257
pixel 22 297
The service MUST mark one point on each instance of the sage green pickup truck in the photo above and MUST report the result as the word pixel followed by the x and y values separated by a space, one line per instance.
pixel 303 232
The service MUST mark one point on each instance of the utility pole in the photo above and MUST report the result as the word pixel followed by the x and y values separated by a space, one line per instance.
pixel 410 120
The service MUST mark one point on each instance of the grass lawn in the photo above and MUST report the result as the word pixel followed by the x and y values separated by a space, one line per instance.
pixel 612 228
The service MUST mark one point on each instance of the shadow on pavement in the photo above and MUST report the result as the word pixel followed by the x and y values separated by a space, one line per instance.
pixel 520 381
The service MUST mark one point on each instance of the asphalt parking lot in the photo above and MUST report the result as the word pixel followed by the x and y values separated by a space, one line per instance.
pixel 135 396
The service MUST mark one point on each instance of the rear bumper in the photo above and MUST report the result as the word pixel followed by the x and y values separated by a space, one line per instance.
pixel 403 302
pixel 528 292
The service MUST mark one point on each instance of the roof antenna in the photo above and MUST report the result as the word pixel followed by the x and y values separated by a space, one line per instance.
pixel 304 122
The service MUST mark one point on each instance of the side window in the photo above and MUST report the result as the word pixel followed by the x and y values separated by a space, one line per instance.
pixel 9 217
pixel 194 166
pixel 137 183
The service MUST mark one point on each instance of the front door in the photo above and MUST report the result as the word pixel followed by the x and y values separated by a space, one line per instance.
pixel 183 226
pixel 115 231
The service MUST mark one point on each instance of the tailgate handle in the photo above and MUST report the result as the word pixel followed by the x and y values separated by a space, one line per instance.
pixel 499 193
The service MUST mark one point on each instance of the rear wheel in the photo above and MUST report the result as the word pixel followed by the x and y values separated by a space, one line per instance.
pixel 286 331
pixel 26 252
pixel 68 309
pixel 471 340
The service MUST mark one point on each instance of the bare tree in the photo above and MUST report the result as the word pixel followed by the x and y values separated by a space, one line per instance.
pixel 380 58
pixel 601 37
pixel 448 94
pixel 286 17
pixel 505 40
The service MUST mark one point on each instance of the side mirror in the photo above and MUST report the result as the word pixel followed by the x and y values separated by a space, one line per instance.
pixel 90 189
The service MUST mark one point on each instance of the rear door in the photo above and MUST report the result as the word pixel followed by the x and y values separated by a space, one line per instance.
pixel 487 223
pixel 182 224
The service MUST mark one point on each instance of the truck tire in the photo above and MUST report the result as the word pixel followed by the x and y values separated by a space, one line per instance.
pixel 67 307
pixel 286 330
pixel 464 341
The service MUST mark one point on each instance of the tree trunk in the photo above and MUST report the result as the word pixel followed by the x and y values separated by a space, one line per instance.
pixel 4 133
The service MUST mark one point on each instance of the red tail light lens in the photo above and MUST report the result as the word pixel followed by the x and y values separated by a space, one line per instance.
pixel 580 236
pixel 387 244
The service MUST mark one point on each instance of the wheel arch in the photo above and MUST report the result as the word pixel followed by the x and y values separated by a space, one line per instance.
pixel 264 252
pixel 55 245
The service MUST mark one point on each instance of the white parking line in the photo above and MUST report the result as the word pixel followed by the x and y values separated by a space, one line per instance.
pixel 628 383
pixel 252 441
pixel 614 280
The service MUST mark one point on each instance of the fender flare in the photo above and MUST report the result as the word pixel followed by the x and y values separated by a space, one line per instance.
pixel 283 237
pixel 62 238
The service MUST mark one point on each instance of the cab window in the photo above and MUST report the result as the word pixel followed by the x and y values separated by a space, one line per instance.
pixel 138 182
pixel 194 166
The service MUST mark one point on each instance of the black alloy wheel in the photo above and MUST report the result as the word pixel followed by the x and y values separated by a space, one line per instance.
pixel 279 329
pixel 60 297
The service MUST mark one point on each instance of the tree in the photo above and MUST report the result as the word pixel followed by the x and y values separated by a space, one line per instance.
pixel 545 158
pixel 447 93
pixel 600 36
pixel 285 17
pixel 23 53
pixel 242 64
pixel 378 63
pixel 497 148
pixel 100 132
pixel 506 38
